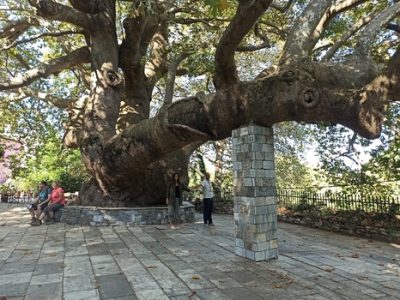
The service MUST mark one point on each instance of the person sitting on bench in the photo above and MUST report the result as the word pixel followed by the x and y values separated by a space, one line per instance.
pixel 37 207
pixel 57 201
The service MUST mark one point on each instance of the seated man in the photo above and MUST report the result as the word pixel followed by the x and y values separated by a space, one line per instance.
pixel 57 201
pixel 41 201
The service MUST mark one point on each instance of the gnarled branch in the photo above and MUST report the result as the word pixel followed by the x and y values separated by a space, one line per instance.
pixel 251 48
pixel 369 32
pixel 347 35
pixel 334 10
pixel 170 78
pixel 142 29
pixel 46 34
pixel 282 7
pixel 245 18
pixel 12 31
pixel 56 11
pixel 87 6
pixel 296 47
pixel 76 57
pixel 299 92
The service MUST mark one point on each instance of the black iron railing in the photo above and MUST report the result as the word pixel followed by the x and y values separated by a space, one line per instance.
pixel 338 201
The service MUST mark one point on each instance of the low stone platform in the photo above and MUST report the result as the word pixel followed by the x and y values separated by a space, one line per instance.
pixel 105 216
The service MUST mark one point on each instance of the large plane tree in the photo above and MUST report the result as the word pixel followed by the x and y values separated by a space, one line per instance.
pixel 338 63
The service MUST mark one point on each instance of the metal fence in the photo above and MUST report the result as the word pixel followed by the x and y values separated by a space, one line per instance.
pixel 30 199
pixel 329 200
pixel 16 199
pixel 338 201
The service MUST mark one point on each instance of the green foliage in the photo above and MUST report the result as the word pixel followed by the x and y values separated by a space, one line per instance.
pixel 217 6
pixel 340 154
pixel 50 162
pixel 292 173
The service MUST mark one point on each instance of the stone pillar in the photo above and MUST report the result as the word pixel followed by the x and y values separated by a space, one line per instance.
pixel 254 193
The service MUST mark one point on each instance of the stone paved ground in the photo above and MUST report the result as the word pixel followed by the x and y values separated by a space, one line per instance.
pixel 194 262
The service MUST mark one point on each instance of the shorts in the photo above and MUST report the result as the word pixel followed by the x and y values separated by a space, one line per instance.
pixel 35 206
pixel 53 207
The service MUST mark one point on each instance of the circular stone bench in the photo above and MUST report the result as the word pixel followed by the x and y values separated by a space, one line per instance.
pixel 105 216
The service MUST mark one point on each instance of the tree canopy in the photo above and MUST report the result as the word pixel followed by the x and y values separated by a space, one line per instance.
pixel 108 74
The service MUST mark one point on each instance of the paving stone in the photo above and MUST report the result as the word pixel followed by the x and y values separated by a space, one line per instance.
pixel 221 280
pixel 76 251
pixel 101 259
pixel 48 268
pixel 212 295
pixel 47 278
pixel 153 294
pixel 15 278
pixel 77 265
pixel 14 290
pixel 98 249
pixel 79 283
pixel 82 295
pixel 240 294
pixel 102 269
pixel 50 291
pixel 112 286
pixel 18 267
pixel 130 297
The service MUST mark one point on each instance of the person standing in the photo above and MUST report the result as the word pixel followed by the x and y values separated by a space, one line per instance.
pixel 57 201
pixel 207 200
pixel 174 199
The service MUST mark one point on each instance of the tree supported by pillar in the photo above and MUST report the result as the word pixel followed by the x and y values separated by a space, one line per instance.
pixel 254 193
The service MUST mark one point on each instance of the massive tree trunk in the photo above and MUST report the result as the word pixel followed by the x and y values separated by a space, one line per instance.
pixel 131 156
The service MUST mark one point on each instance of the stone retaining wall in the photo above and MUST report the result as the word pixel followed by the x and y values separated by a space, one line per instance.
pixel 382 227
pixel 101 216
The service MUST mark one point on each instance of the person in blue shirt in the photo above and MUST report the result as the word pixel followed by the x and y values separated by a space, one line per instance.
pixel 41 201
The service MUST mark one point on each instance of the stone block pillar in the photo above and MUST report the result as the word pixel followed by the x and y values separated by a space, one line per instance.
pixel 254 186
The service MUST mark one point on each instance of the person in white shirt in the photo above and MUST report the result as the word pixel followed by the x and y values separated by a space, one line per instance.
pixel 207 199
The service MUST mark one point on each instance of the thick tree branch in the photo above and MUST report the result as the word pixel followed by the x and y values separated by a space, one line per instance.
pixel 347 35
pixel 56 65
pixel 170 78
pixel 394 27
pixel 251 48
pixel 46 34
pixel 296 47
pixel 87 6
pixel 48 98
pixel 55 11
pixel 335 9
pixel 21 60
pixel 370 31
pixel 156 66
pixel 265 44
pixel 282 7
pixel 142 29
pixel 187 21
pixel 393 76
pixel 309 92
pixel 247 14
pixel 25 92
pixel 12 31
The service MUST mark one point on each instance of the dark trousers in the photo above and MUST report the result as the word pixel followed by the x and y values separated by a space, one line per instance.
pixel 207 210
